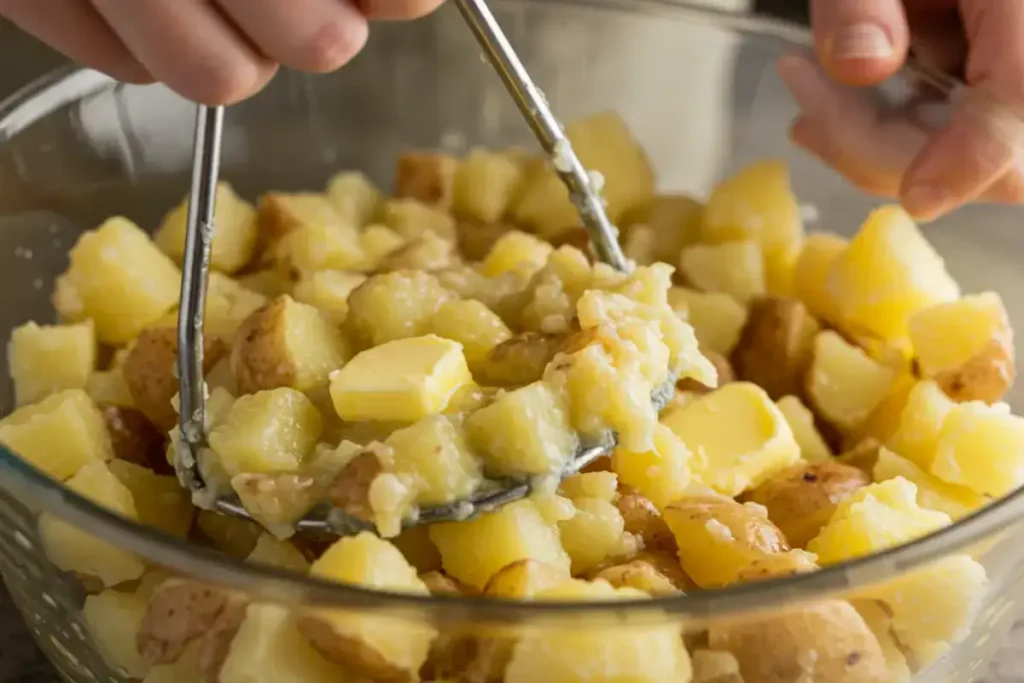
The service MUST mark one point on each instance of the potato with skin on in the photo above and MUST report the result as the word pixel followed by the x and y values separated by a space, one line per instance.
pixel 135 440
pixel 394 306
pixel 524 579
pixel 287 344
pixel 810 273
pixel 519 360
pixel 643 519
pixel 801 420
pixel 801 499
pixel 718 538
pixel 426 177
pixel 844 385
pixel 981 447
pixel 303 231
pixel 59 435
pixel 472 324
pixel 780 564
pixel 826 642
pixel 43 360
pixel 411 219
pixel 717 319
pixel 486 182
pixel 966 346
pixel 475 240
pixel 112 618
pixel 775 349
pixel 119 279
pixel 733 268
pixel 641 575
pixel 428 252
pixel 355 198
pixel 234 242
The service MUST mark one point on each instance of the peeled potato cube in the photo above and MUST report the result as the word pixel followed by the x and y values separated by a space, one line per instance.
pixel 108 388
pixel 674 220
pixel 234 242
pixel 932 492
pixel 472 324
pixel 395 306
pixel 733 268
pixel 843 383
pixel 273 552
pixel 112 619
pixel 525 431
pixel 44 360
pixel 287 344
pixel 411 219
pixel 602 485
pixel 810 273
pixel 917 436
pixel 60 435
pixel 267 432
pixel 400 381
pixel 595 534
pixel 737 435
pixel 378 241
pixel 320 247
pixel 981 447
pixel 354 197
pixel 875 518
pixel 434 456
pixel 884 420
pixel 887 273
pixel 966 346
pixel 801 420
pixel 426 177
pixel 516 251
pixel 74 550
pixel 524 579
pixel 661 474
pixel 485 185
pixel 160 500
pixel 427 252
pixel 717 319
pixel 328 291
pixel 119 279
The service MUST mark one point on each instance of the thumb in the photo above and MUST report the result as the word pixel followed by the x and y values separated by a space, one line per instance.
pixel 860 42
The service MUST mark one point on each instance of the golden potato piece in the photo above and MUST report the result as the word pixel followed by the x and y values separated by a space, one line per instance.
pixel 844 384
pixel 733 268
pixel 234 242
pixel 411 219
pixel 779 564
pixel 350 490
pixel 774 350
pixel 595 535
pixel 715 666
pixel 485 185
pixel 289 223
pixel 810 273
pixel 394 306
pixel 328 291
pixel 827 642
pixel 276 500
pixel 112 618
pixel 863 456
pixel 426 177
pixel 355 198
pixel 717 319
pixel 524 579
pixel 230 535
pixel 643 519
pixel 932 492
pixel 160 500
pixel 43 360
pixel 801 499
pixel 661 474
pixel 519 360
pixel 981 447
pixel 475 240
pixel 150 370
pixel 427 252
pixel 516 251
pixel 674 218
pixel 801 420
pixel 135 439
pixel 640 575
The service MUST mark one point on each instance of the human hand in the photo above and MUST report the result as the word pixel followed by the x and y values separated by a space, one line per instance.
pixel 210 51
pixel 979 154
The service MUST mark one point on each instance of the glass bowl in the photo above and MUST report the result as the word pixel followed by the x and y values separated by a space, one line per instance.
pixel 699 89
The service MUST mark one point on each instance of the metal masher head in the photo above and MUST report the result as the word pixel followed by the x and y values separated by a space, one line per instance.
pixel 195 269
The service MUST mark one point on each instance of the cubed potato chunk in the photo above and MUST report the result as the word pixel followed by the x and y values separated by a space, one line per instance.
pixel 603 144
pixel 119 279
pixel 234 242
pixel 472 324
pixel 74 550
pixel 737 436
pixel 843 383
pixel 516 251
pixel 966 346
pixel 717 319
pixel 661 474
pixel 875 518
pixel 981 447
pixel 328 291
pixel 59 435
pixel 428 252
pixel 287 344
pixel 273 552
pixel 378 241
pixel 474 551
pixel 400 381
pixel 600 484
pixel 355 198
pixel 412 219
pixel 268 282
pixel 595 535
pixel 395 306
pixel 108 388
pixel 932 492
pixel 160 500
pixel 733 268
pixel 801 420
pixel 525 431
pixel 776 346
pixel 267 432
pixel 673 219
pixel 485 185
pixel 426 177
pixel 112 619
pixel 888 272
pixel 917 436
pixel 45 359
pixel 810 273
pixel 228 303
pixel 376 647
pixel 525 579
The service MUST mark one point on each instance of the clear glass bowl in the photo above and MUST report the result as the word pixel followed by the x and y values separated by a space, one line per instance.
pixel 699 89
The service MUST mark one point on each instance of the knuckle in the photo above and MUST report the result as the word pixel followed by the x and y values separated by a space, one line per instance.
pixel 331 46
pixel 223 82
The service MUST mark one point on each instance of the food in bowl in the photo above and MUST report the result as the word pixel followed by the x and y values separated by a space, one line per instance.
pixel 834 398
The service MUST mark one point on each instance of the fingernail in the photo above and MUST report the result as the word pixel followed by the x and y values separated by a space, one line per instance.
pixel 925 202
pixel 861 41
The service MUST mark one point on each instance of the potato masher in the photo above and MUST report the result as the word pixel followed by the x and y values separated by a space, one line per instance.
pixel 195 268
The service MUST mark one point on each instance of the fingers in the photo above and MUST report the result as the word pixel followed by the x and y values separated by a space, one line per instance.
pixel 311 35
pixel 398 9
pixel 190 46
pixel 81 34
pixel 860 42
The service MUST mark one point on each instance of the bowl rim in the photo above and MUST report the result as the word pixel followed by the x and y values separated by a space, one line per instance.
pixel 45 496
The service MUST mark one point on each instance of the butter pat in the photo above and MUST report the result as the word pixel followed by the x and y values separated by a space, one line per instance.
pixel 400 381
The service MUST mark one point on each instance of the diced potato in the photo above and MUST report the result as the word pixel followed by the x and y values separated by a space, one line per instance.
pixel 733 268
pixel 917 436
pixel 112 619
pixel 641 575
pixel 719 538
pixel 776 346
pixel 378 241
pixel 884 420
pixel 395 305
pixel 516 251
pixel 287 344
pixel 717 319
pixel 674 218
pixel 966 346
pixel 268 282
pixel 595 535
pixel 377 647
pixel 801 420
pixel 651 652
pixel 661 474
pixel 277 501
pixel 355 198
pixel 810 273
pixel 267 432
pixel 269 648
pixel 412 219
pixel 328 291
pixel 875 518
pixel 108 388
pixel 234 242
pixel 274 552
pixel 640 245
pixel 74 550
pixel 737 437
pixel 604 145
pixel 280 214
pixel 160 500
pixel 320 246
pixel 59 435
pixel 981 447
pixel 472 324
pixel 526 431
pixel 426 177
pixel 485 184
pixel 602 485
pixel 519 360
pixel 843 383
pixel 428 252
pixel 400 381
pixel 43 360
pixel 779 271
pixel 715 666
pixel 524 579
pixel 230 535
pixel 932 492
pixel 185 668
pixel 119 279
pixel 878 620
pixel 228 303
pixel 888 272
pixel 474 551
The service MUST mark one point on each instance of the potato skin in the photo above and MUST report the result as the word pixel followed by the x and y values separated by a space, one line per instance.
pixel 774 350
pixel 476 239
pixel 801 499
pixel 520 360
pixel 723 367
pixel 179 613
pixel 642 519
pixel 352 653
pixel 427 178
pixel 260 359
pixel 827 642
pixel 135 439
pixel 985 377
